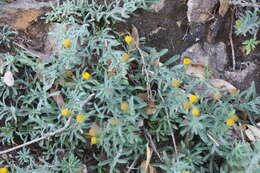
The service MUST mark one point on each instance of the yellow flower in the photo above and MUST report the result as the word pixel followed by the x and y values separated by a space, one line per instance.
pixel 186 172
pixel 186 61
pixel 233 91
pixel 230 122
pixel 238 22
pixel 195 112
pixel 66 43
pixel 128 39
pixel 86 75
pixel 3 170
pixel 65 112
pixel 234 117
pixel 94 140
pixel 125 57
pixel 217 96
pixel 80 118
pixel 176 83
pixel 124 106
pixel 186 105
pixel 92 132
pixel 193 98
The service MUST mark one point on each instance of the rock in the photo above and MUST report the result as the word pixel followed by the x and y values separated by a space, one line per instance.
pixel 51 45
pixel 156 7
pixel 242 78
pixel 199 10
pixel 213 56
pixel 21 13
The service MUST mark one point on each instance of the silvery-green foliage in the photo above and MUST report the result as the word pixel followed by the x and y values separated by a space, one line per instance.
pixel 7 35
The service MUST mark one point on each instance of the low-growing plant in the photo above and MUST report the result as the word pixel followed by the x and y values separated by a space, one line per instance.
pixel 106 95
pixel 7 35
pixel 248 23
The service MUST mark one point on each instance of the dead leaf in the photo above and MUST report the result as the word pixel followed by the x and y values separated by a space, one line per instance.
pixel 221 84
pixel 158 6
pixel 58 98
pixel 145 165
pixel 224 6
pixel 8 78
pixel 150 169
pixel 150 109
pixel 149 153
pixel 196 70
pixel 144 97
pixel 135 43
pixel 253 133
pixel 157 63
pixel 1 63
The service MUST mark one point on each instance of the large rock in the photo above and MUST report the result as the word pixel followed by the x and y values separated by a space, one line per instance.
pixel 21 13
pixel 199 10
pixel 242 78
pixel 213 56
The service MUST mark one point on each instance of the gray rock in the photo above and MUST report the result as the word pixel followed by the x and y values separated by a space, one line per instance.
pixel 199 10
pixel 242 78
pixel 213 56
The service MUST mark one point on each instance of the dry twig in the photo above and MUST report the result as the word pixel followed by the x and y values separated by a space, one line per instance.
pixel 47 135
pixel 38 139
pixel 168 121
pixel 231 41
pixel 132 165
pixel 152 144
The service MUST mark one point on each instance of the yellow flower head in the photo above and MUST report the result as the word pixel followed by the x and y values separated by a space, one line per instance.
pixel 94 140
pixel 66 43
pixel 125 57
pixel 114 122
pixel 3 170
pixel 193 98
pixel 195 112
pixel 217 96
pixel 186 172
pixel 233 91
pixel 238 22
pixel 80 118
pixel 128 39
pixel 176 83
pixel 65 112
pixel 92 132
pixel 234 117
pixel 186 105
pixel 124 106
pixel 186 61
pixel 86 75
pixel 230 122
